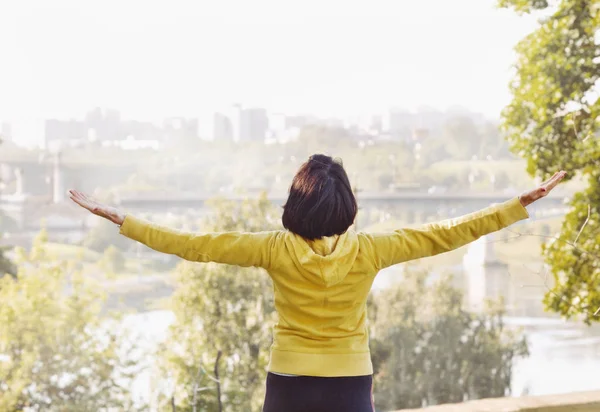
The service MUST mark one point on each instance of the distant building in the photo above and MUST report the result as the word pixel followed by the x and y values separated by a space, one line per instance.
pixel 179 130
pixel 369 124
pixel 5 131
pixel 429 118
pixel 277 123
pixel 234 113
pixel 215 127
pixel 254 124
pixel 105 123
pixel 141 131
pixel 419 134
pixel 238 124
pixel 64 132
pixel 300 121
pixel 134 144
pixel 397 123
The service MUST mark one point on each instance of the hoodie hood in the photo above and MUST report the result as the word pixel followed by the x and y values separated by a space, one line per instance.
pixel 324 261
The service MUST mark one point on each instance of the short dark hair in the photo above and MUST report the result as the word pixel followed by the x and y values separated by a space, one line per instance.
pixel 321 201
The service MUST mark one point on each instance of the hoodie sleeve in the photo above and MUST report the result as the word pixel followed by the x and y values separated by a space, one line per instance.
pixel 407 244
pixel 233 248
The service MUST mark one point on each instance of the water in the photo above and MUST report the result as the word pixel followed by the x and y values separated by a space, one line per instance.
pixel 564 356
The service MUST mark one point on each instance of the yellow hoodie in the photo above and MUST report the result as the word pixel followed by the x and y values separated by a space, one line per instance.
pixel 321 286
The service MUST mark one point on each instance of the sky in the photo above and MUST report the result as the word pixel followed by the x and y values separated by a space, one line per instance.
pixel 153 59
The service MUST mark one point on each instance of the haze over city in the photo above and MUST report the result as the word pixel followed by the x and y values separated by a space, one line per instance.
pixel 327 58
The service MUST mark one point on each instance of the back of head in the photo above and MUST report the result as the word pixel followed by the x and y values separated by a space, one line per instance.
pixel 321 202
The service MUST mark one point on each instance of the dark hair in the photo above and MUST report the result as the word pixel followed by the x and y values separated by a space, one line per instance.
pixel 321 201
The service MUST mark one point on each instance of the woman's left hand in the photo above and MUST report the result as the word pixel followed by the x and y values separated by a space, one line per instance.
pixel 531 196
pixel 99 209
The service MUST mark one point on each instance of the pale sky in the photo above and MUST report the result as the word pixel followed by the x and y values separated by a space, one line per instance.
pixel 154 59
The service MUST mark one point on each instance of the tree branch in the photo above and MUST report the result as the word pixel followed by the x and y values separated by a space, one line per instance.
pixel 217 380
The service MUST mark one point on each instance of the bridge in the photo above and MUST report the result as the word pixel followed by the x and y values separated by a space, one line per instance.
pixel 410 206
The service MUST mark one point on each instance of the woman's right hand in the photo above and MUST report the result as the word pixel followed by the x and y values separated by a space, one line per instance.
pixel 531 196
pixel 99 209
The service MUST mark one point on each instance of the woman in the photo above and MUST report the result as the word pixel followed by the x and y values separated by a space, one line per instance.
pixel 322 272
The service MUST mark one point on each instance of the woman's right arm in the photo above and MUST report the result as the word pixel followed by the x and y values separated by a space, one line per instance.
pixel 407 244
pixel 233 248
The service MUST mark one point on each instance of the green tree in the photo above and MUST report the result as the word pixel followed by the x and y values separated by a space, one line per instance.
pixel 6 266
pixel 461 137
pixel 428 350
pixel 322 139
pixel 552 121
pixel 56 352
pixel 222 330
pixel 113 260
pixel 104 235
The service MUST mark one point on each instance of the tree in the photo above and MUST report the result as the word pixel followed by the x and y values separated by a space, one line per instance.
pixel 552 121
pixel 6 266
pixel 57 352
pixel 321 139
pixel 105 234
pixel 427 350
pixel 461 137
pixel 217 351
pixel 113 259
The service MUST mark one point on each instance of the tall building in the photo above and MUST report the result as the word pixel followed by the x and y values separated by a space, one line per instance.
pixel 397 123
pixel 5 131
pixel 234 113
pixel 178 130
pixel 105 124
pixel 254 124
pixel 64 132
pixel 215 127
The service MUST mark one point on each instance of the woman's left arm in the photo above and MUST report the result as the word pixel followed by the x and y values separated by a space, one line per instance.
pixel 234 248
pixel 407 244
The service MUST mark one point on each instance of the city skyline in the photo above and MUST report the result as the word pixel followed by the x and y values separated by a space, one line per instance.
pixel 331 59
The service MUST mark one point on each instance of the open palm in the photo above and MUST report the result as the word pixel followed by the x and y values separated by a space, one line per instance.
pixel 97 208
pixel 542 190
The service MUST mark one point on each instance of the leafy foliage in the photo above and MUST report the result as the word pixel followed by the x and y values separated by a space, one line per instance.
pixel 113 260
pixel 427 350
pixel 223 322
pixel 56 352
pixel 552 121
pixel 6 266
pixel 103 236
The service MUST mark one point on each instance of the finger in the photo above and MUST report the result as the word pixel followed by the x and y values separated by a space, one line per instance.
pixel 85 198
pixel 555 181
pixel 81 200
pixel 78 195
pixel 82 203
pixel 544 183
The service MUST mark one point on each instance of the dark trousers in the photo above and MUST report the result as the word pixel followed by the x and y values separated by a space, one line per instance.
pixel 317 394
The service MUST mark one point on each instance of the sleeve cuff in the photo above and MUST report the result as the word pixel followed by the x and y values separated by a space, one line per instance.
pixel 133 227
pixel 512 211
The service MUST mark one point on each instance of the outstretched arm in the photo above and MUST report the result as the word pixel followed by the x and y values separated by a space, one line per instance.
pixel 234 248
pixel 429 240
